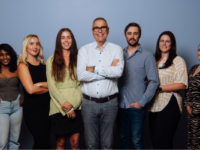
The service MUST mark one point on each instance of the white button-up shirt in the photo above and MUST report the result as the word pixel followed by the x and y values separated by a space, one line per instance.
pixel 103 81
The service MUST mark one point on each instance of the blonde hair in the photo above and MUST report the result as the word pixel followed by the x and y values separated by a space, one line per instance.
pixel 23 55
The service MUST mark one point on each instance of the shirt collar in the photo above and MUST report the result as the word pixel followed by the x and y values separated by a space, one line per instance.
pixel 139 49
pixel 104 46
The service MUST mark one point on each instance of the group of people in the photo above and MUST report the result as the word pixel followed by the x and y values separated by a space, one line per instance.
pixel 87 89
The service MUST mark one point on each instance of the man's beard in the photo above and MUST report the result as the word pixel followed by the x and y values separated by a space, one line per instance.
pixel 133 45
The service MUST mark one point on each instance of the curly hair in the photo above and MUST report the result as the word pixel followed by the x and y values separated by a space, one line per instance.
pixel 13 56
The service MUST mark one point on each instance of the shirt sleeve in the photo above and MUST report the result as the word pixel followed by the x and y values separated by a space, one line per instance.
pixel 82 74
pixel 152 76
pixel 112 71
pixel 181 71
pixel 51 84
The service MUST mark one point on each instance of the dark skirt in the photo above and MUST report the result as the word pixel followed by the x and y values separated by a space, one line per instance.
pixel 63 125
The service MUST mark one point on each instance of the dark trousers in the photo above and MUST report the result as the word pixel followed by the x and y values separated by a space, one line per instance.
pixel 99 121
pixel 131 127
pixel 163 125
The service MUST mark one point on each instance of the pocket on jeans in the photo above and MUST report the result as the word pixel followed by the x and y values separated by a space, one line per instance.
pixel 4 104
pixel 113 102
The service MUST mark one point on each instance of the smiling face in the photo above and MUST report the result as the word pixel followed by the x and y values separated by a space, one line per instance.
pixel 66 40
pixel 100 35
pixel 132 36
pixel 33 47
pixel 4 58
pixel 198 53
pixel 165 44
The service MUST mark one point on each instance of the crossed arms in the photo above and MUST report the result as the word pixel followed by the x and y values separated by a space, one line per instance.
pixel 92 73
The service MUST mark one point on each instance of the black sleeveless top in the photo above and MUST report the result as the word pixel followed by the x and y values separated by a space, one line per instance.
pixel 37 101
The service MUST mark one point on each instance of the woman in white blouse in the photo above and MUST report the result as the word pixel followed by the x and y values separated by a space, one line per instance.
pixel 167 107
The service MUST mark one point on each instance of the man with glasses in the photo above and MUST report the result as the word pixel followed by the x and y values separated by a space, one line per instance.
pixel 99 65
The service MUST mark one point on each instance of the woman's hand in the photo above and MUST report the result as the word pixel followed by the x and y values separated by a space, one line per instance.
pixel 42 84
pixel 66 106
pixel 71 115
pixel 21 101
pixel 189 111
pixel 38 84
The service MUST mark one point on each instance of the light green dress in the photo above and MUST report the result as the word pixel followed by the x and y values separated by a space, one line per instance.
pixel 60 92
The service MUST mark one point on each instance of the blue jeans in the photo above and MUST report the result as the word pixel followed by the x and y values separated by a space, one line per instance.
pixel 99 121
pixel 10 124
pixel 131 127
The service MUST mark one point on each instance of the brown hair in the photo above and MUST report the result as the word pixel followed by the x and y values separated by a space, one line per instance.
pixel 58 66
pixel 133 24
pixel 172 51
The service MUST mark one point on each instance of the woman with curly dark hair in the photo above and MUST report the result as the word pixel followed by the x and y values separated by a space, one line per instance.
pixel 10 99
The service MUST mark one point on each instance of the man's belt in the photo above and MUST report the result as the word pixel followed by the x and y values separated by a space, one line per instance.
pixel 100 100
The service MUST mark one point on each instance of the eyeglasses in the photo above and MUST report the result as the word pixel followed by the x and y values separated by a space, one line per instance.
pixel 102 28
pixel 167 41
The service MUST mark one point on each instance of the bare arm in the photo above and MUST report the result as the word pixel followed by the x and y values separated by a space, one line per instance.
pixel 42 84
pixel 173 87
pixel 26 80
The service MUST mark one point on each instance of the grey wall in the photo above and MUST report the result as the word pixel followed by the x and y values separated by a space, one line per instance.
pixel 45 18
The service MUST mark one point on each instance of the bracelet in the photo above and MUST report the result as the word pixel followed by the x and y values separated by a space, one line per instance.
pixel 160 89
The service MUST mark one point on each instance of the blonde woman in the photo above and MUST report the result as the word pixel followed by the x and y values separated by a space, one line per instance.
pixel 32 73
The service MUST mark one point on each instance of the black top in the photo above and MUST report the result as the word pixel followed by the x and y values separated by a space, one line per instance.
pixel 38 74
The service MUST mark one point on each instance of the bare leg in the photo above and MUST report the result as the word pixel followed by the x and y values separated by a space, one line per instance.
pixel 74 141
pixel 60 141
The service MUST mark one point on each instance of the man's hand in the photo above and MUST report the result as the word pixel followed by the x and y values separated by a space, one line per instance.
pixel 115 62
pixel 189 111
pixel 136 105
pixel 66 106
pixel 71 115
pixel 90 69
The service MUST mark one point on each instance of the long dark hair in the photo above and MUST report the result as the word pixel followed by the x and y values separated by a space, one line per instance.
pixel 13 56
pixel 172 52
pixel 58 66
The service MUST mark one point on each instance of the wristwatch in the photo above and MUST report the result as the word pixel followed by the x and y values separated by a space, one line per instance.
pixel 160 89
